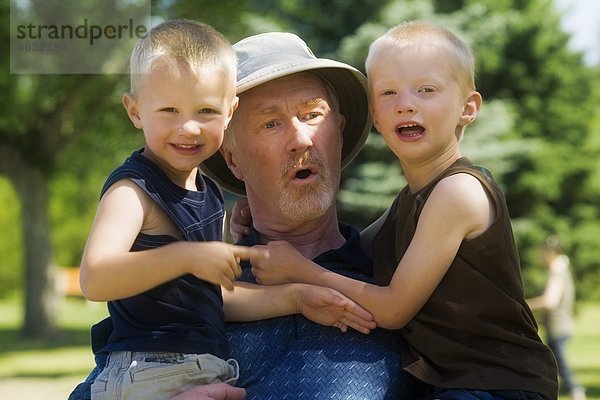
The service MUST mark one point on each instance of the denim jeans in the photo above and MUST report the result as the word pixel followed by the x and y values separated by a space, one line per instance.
pixel 468 394
pixel 558 346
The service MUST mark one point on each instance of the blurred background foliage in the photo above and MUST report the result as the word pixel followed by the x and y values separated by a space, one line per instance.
pixel 539 132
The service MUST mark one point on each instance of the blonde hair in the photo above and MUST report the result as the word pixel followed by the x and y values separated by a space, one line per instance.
pixel 412 33
pixel 193 43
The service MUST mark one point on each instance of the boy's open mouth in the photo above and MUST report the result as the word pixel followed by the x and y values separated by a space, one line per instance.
pixel 410 129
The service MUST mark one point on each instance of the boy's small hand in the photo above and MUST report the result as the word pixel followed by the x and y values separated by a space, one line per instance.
pixel 328 307
pixel 220 262
pixel 283 265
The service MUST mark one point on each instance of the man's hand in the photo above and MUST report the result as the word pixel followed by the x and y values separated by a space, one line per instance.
pixel 328 307
pixel 241 220
pixel 212 391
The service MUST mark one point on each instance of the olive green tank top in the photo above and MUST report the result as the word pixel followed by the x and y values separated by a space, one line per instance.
pixel 476 330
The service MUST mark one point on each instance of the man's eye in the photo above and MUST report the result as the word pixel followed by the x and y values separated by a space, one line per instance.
pixel 270 125
pixel 313 116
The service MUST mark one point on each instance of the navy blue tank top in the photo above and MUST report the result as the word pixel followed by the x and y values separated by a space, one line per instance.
pixel 184 315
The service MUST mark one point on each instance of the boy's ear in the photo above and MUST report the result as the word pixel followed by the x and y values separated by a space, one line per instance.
pixel 132 109
pixel 471 108
pixel 234 105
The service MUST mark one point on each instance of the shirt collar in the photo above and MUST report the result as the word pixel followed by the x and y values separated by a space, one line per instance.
pixel 349 253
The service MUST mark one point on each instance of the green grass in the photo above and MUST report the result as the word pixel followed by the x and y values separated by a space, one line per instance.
pixel 584 349
pixel 50 369
pixel 46 369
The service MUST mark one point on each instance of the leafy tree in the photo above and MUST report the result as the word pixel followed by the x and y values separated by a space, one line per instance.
pixel 46 113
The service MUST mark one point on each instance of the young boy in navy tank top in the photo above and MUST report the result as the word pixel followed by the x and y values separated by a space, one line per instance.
pixel 165 301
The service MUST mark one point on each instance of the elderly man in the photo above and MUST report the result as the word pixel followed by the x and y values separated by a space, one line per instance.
pixel 300 120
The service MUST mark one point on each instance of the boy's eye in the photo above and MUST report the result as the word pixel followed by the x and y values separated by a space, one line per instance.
pixel 207 111
pixel 169 109
pixel 388 92
pixel 427 89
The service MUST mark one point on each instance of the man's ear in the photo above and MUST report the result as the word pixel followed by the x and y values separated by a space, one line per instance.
pixel 342 126
pixel 132 109
pixel 471 108
pixel 230 160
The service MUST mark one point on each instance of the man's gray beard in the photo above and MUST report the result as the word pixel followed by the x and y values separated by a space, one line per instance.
pixel 307 203
pixel 311 201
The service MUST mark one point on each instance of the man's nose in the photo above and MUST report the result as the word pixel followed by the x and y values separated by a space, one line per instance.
pixel 300 136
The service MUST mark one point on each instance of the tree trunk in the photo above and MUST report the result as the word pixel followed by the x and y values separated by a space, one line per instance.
pixel 40 298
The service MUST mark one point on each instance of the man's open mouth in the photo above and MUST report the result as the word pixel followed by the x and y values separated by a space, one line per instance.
pixel 303 174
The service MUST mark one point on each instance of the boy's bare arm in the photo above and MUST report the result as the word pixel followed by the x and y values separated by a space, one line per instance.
pixel 109 270
pixel 457 209
pixel 325 306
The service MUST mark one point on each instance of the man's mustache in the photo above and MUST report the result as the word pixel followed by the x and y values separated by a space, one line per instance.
pixel 309 157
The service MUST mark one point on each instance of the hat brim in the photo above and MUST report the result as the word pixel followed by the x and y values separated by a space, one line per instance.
pixel 351 88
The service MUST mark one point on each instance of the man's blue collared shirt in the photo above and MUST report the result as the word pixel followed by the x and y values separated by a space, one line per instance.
pixel 294 358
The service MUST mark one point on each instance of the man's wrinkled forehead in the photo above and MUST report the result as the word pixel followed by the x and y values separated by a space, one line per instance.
pixel 275 93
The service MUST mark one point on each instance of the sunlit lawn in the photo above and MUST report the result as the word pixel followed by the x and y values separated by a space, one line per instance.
pixel 49 370
pixel 584 349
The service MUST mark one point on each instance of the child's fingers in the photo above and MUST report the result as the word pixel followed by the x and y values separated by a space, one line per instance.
pixel 226 283
pixel 355 316
pixel 247 253
pixel 358 324
pixel 342 327
pixel 360 314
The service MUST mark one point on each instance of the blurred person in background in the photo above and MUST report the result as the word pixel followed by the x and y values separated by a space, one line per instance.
pixel 557 305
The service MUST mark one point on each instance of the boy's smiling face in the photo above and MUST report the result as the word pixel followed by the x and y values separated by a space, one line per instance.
pixel 416 101
pixel 183 116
